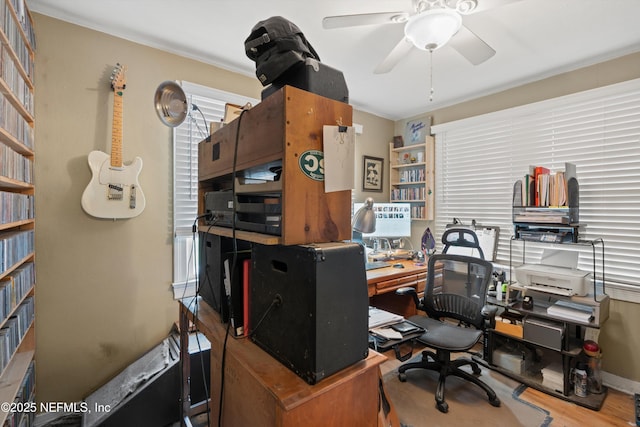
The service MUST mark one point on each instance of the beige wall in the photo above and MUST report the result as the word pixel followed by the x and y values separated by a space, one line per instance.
pixel 103 292
pixel 374 141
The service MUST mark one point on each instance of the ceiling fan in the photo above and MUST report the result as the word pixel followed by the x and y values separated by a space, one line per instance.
pixel 431 25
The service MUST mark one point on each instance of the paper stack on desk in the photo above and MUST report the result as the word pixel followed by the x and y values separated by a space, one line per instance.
pixel 571 311
pixel 552 377
pixel 386 332
pixel 378 318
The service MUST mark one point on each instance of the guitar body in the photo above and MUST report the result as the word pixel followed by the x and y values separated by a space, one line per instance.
pixel 113 192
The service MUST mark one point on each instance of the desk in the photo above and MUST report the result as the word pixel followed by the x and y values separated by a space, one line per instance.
pixel 260 391
pixel 383 282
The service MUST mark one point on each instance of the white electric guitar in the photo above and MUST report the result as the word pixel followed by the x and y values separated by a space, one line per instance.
pixel 114 191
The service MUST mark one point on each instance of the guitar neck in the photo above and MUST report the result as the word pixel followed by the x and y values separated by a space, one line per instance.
pixel 116 130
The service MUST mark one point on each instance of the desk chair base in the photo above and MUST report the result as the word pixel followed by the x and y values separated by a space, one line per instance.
pixel 441 362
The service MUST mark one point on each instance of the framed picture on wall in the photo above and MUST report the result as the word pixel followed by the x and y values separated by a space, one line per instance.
pixel 417 130
pixel 372 173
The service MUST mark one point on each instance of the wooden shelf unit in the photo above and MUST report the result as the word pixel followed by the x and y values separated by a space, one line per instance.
pixel 17 218
pixel 412 177
pixel 283 131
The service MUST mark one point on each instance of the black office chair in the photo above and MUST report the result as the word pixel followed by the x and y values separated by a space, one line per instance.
pixel 461 237
pixel 456 290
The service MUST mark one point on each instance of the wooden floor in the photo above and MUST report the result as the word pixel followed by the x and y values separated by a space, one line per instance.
pixel 617 410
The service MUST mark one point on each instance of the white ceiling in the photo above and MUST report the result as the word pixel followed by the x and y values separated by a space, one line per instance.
pixel 534 39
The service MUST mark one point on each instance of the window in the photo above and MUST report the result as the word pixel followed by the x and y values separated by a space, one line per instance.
pixel 479 159
pixel 210 105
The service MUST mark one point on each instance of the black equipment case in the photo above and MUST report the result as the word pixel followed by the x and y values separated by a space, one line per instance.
pixel 310 307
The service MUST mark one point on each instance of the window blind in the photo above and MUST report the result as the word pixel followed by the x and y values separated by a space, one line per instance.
pixel 186 137
pixel 479 159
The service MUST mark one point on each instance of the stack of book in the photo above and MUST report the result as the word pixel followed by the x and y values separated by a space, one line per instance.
pixel 541 188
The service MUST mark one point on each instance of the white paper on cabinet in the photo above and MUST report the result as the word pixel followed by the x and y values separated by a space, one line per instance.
pixel 339 157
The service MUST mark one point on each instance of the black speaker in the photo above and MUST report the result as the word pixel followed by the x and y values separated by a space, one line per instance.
pixel 315 77
pixel 215 251
pixel 309 306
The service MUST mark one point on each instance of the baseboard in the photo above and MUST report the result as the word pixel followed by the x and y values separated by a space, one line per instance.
pixel 184 290
pixel 621 384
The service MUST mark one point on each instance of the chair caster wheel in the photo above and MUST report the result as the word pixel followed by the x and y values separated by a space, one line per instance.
pixel 442 407
pixel 476 369
pixel 495 402
pixel 402 377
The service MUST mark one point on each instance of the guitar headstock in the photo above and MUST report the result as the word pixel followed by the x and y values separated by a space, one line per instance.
pixel 118 79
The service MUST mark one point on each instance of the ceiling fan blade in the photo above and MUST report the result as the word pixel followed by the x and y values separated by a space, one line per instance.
pixel 484 5
pixel 342 21
pixel 396 54
pixel 471 46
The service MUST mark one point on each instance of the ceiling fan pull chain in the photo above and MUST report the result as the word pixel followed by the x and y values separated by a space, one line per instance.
pixel 431 75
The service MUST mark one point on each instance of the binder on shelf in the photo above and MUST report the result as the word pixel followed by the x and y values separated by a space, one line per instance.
pixel 538 177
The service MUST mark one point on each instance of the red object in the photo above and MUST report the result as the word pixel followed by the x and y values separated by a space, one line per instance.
pixel 539 170
pixel 246 268
pixel 591 348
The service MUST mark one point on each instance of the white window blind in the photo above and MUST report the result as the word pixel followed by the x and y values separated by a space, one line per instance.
pixel 210 105
pixel 479 159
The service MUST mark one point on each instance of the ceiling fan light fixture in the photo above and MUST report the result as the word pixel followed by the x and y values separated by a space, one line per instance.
pixel 400 18
pixel 433 28
pixel 466 7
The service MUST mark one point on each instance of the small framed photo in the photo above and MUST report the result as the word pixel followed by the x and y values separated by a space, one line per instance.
pixel 372 173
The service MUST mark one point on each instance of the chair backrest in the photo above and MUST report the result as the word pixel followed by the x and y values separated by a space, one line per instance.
pixel 457 287
pixel 461 237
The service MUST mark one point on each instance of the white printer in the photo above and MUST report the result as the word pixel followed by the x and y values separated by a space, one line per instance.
pixel 555 280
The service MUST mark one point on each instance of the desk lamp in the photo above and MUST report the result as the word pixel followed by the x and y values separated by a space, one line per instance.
pixel 364 221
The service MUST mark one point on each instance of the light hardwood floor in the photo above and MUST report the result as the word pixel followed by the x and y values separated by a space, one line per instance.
pixel 617 410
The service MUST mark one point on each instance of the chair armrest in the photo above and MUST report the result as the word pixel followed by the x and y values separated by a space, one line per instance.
pixel 412 293
pixel 489 315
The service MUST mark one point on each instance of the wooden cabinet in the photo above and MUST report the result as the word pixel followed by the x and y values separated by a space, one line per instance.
pixel 411 177
pixel 383 282
pixel 260 391
pixel 17 251
pixel 272 154
pixel 281 136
